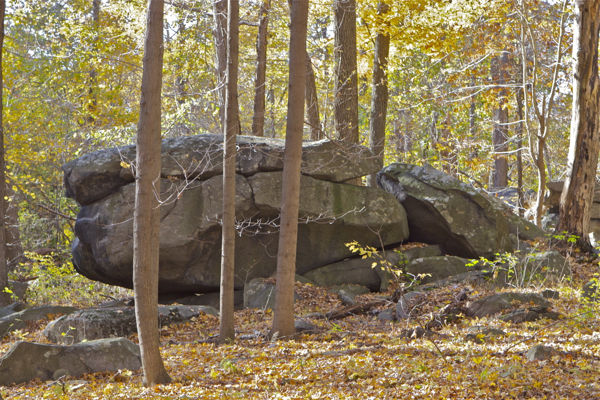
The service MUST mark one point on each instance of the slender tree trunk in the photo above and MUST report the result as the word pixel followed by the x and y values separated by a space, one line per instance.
pixel 92 106
pixel 258 119
pixel 283 320
pixel 146 217
pixel 220 39
pixel 4 296
pixel 345 102
pixel 312 102
pixel 379 99
pixel 500 132
pixel 226 323
pixel 578 192
pixel 520 201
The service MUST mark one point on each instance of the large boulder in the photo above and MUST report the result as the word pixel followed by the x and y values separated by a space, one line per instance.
pixel 26 361
pixel 442 210
pixel 331 215
pixel 97 175
pixel 92 324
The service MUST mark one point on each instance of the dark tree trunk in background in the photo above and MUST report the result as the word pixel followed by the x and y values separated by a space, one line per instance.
pixel 5 297
pixel 146 217
pixel 220 38
pixel 345 102
pixel 283 319
pixel 312 102
pixel 379 98
pixel 519 134
pixel 258 119
pixel 226 322
pixel 500 133
pixel 578 192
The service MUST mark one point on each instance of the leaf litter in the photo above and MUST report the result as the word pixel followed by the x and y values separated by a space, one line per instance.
pixel 362 356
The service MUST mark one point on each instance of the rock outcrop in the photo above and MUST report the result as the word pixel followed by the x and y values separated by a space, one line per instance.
pixel 92 324
pixel 26 361
pixel 331 213
pixel 442 210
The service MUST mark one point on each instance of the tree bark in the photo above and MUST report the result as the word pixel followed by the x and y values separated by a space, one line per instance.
pixel 283 320
pixel 220 39
pixel 312 102
pixel 577 195
pixel 4 296
pixel 520 201
pixel 146 218
pixel 226 321
pixel 258 119
pixel 379 98
pixel 500 131
pixel 345 102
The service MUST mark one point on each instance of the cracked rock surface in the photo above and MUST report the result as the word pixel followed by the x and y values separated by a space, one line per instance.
pixel 331 214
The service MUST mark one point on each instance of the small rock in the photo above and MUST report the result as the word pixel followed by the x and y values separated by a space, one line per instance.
pixel 496 303
pixel 482 334
pixel 385 315
pixel 540 352
pixel 417 333
pixel 529 314
pixel 304 327
pixel 407 302
pixel 346 300
pixel 550 294
pixel 260 294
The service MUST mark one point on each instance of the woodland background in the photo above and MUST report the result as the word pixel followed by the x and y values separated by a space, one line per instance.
pixel 72 73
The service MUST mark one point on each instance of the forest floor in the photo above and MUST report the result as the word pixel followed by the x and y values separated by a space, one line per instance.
pixel 361 356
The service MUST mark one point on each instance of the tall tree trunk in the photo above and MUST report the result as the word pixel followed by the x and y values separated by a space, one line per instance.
pixel 146 217
pixel 4 296
pixel 520 201
pixel 92 106
pixel 500 133
pixel 379 99
pixel 345 102
pixel 220 39
pixel 258 119
pixel 283 320
pixel 312 102
pixel 226 323
pixel 578 192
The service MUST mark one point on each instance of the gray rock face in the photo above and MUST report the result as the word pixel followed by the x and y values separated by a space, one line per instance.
pixel 26 361
pixel 96 175
pixel 355 271
pixel 190 236
pixel 495 304
pixel 260 294
pixel 17 320
pixel 442 210
pixel 114 322
pixel 439 267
